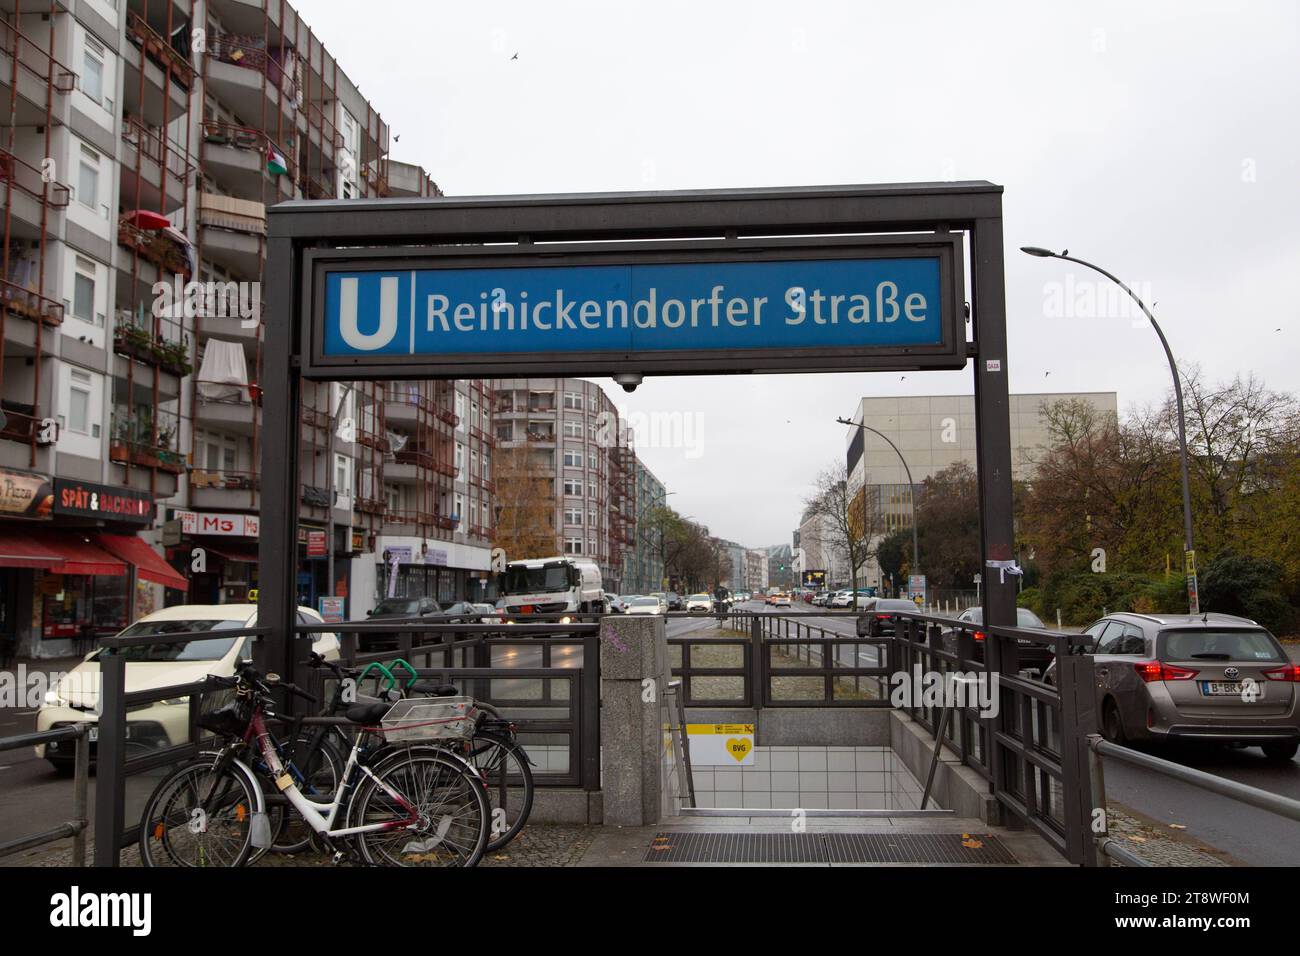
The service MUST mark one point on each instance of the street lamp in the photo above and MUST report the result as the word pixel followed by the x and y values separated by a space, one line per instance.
pixel 1193 595
pixel 911 487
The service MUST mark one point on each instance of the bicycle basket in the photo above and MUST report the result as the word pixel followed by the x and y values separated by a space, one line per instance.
pixel 223 712
pixel 430 718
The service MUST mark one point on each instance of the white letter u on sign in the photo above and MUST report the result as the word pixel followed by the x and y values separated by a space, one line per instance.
pixel 353 336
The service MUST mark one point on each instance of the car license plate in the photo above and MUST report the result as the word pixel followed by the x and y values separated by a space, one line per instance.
pixel 92 734
pixel 1231 688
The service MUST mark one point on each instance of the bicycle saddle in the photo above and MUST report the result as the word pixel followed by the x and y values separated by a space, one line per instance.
pixel 368 714
pixel 437 690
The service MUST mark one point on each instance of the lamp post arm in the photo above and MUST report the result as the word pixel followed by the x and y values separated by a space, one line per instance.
pixel 911 486
pixel 1178 391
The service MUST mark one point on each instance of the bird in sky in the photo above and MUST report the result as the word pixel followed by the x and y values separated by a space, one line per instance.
pixel 515 57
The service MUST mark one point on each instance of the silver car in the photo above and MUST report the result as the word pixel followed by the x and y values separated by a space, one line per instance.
pixel 1210 677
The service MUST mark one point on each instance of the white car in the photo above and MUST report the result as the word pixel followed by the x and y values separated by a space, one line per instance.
pixel 699 602
pixel 166 722
pixel 647 605
pixel 781 599
pixel 840 599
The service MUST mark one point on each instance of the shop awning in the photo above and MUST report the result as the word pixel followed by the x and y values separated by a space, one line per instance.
pixel 148 564
pixel 60 552
pixel 234 552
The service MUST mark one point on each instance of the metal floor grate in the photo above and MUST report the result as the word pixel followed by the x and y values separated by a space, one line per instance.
pixel 697 847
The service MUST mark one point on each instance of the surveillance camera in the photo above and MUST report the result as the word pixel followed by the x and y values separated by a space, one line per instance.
pixel 629 380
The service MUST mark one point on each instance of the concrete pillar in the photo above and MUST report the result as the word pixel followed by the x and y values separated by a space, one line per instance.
pixel 636 777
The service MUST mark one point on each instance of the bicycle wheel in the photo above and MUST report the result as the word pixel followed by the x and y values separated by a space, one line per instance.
pixel 198 817
pixel 503 765
pixel 447 800
pixel 318 780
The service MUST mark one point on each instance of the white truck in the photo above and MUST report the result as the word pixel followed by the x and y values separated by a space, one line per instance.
pixel 561 585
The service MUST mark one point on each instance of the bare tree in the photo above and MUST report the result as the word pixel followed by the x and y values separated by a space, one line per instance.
pixel 851 518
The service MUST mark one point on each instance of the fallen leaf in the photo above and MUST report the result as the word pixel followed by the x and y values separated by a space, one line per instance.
pixel 971 843
pixel 1138 839
pixel 1177 826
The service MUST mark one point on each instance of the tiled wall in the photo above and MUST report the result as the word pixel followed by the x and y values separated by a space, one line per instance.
pixel 812 778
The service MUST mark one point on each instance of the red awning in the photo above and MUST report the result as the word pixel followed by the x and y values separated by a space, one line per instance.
pixel 63 552
pixel 19 550
pixel 148 564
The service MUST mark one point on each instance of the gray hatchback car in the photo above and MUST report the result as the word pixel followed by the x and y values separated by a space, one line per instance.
pixel 1210 677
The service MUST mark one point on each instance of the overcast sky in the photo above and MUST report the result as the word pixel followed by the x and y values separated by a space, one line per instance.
pixel 1160 140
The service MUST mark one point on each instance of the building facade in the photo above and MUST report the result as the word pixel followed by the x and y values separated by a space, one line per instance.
pixel 143 144
pixel 756 578
pixel 573 432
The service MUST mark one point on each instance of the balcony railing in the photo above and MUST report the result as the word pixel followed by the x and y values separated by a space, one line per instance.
pixel 25 177
pixel 372 439
pixel 229 480
pixel 370 506
pixel 33 58
pixel 422 518
pixel 29 304
pixel 145 454
pixel 158 146
pixel 158 49
pixel 156 248
pixel 251 53
pixel 135 341
pixel 246 138
pixel 23 426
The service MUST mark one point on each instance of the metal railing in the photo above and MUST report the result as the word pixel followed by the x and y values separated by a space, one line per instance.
pixel 492 662
pixel 1030 745
pixel 1109 847
pixel 777 660
pixel 80 822
pixel 153 750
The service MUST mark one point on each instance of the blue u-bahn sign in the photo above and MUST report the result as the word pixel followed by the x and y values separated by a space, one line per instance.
pixel 743 306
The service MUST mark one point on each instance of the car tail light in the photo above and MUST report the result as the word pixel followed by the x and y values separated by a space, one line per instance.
pixel 1290 673
pixel 883 617
pixel 979 635
pixel 1152 671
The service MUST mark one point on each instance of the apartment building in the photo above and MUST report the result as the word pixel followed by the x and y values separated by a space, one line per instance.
pixel 142 142
pixel 573 434
pixel 756 578
pixel 643 564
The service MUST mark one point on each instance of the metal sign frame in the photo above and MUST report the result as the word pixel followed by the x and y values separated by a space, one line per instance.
pixel 946 248
pixel 822 217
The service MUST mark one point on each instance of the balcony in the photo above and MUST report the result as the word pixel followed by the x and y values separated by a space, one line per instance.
pixel 135 442
pixel 134 341
pixel 370 506
pixel 148 152
pixel 27 192
pixel 37 72
pixel 237 158
pixel 30 305
pixel 158 49
pixel 233 232
pixel 23 425
pixel 244 74
pixel 153 247
pixel 224 489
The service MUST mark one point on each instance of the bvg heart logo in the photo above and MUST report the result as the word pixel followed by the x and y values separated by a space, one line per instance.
pixel 739 747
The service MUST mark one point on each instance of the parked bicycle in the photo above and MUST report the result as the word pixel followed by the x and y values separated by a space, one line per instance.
pixel 394 805
pixel 491 748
